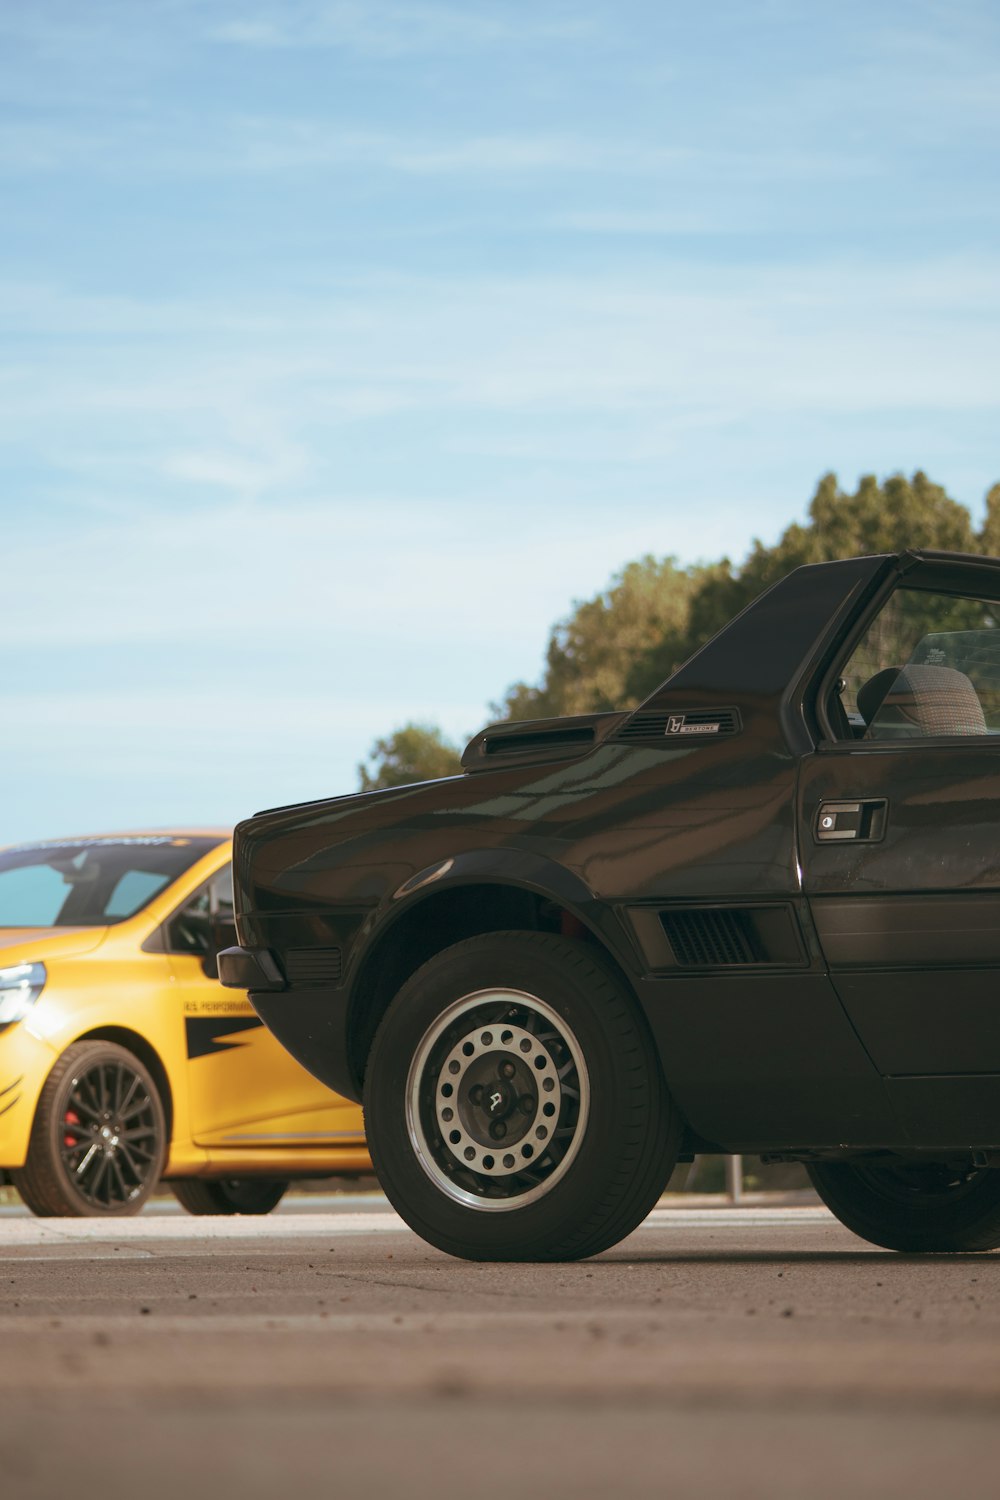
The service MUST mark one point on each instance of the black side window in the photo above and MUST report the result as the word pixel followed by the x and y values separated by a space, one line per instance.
pixel 927 666
pixel 205 921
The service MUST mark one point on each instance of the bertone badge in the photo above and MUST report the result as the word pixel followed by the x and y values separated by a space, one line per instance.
pixel 678 724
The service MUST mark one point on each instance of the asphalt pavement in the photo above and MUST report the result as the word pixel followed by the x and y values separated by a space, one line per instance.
pixel 754 1352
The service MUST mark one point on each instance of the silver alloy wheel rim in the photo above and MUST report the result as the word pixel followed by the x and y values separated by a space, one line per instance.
pixel 483 1033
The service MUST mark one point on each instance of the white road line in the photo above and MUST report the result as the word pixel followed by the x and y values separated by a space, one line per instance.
pixel 162 1319
pixel 210 1227
pixel 64 1253
pixel 71 1235
pixel 735 1218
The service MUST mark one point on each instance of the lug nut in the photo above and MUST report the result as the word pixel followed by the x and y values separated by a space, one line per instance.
pixel 498 1130
pixel 527 1104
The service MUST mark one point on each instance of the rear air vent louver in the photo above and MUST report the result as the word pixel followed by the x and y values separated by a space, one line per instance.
pixel 661 727
pixel 719 937
pixel 312 966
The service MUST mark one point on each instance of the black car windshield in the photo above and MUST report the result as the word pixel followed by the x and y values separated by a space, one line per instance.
pixel 91 882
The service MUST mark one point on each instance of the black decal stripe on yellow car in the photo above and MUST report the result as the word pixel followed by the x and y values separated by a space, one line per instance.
pixel 11 1086
pixel 10 1105
pixel 208 1034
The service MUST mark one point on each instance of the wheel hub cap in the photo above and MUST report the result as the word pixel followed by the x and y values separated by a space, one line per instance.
pixel 498 1099
pixel 489 1074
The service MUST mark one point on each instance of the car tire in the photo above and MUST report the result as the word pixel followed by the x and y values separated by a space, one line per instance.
pixel 515 1106
pixel 98 1140
pixel 229 1195
pixel 913 1206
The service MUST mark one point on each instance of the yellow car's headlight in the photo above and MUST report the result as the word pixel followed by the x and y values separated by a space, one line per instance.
pixel 20 987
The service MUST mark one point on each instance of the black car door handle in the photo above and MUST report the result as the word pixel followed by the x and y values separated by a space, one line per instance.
pixel 861 822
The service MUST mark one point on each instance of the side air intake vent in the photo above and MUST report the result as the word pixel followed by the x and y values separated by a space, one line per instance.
pixel 660 727
pixel 711 937
pixel 720 937
pixel 312 966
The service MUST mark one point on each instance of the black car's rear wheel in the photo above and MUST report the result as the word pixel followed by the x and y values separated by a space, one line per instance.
pixel 514 1104
pixel 912 1205
pixel 98 1141
pixel 229 1195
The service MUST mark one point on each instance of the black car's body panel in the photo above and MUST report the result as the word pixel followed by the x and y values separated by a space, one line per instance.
pixel 804 995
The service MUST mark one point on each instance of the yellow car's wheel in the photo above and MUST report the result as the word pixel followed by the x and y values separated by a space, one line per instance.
pixel 98 1142
pixel 229 1195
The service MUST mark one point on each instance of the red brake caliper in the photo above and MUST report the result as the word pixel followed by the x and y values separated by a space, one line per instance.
pixel 70 1118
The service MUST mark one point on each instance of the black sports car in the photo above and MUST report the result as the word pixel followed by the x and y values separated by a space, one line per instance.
pixel 760 913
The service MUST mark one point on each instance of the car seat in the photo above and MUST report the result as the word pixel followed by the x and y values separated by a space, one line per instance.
pixel 920 700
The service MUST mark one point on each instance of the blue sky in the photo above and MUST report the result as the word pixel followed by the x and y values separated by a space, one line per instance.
pixel 346 344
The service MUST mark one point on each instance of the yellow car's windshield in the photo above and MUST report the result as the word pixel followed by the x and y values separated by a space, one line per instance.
pixel 90 882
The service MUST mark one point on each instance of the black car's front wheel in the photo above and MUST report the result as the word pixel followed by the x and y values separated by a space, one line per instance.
pixel 911 1205
pixel 99 1139
pixel 514 1104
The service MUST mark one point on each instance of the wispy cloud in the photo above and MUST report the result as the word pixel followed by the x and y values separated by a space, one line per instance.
pixel 637 222
pixel 35 147
pixel 265 145
pixel 219 390
pixel 270 146
pixel 343 567
pixel 381 28
pixel 411 320
pixel 246 473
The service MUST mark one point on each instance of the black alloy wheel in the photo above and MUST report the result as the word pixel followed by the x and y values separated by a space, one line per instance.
pixel 98 1141
pixel 229 1195
pixel 515 1107
pixel 912 1205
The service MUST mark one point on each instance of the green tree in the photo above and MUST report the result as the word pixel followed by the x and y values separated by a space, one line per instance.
pixel 989 537
pixel 887 517
pixel 416 752
pixel 614 650
pixel 590 663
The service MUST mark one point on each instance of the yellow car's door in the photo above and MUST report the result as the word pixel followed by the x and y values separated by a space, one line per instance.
pixel 244 1089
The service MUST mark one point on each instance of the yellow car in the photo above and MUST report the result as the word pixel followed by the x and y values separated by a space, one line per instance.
pixel 122 1058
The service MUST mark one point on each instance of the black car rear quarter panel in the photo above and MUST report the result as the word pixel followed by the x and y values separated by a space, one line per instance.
pixel 755 1056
